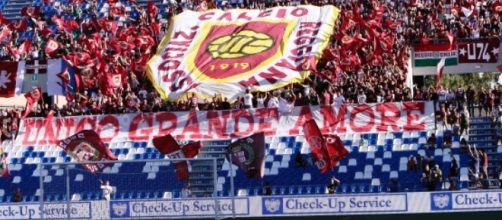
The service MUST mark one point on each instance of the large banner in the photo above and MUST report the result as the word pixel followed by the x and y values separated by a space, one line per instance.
pixel 226 52
pixel 210 125
pixel 464 56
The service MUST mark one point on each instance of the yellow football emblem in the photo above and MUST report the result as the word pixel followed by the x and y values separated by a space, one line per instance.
pixel 240 44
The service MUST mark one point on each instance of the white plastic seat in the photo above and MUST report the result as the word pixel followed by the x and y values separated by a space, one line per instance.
pixel 274 170
pixel 393 174
pixel 352 162
pixel 371 148
pixel 75 197
pixel 370 155
pixel 387 155
pixel 368 168
pixel 342 169
pixel 368 175
pixel 378 161
pixel 306 177
pixel 385 168
pixel 79 177
pixel 151 176
pixel 438 152
pixel 375 182
pixel 167 195
pixel 422 140
pixel 358 175
pixel 242 192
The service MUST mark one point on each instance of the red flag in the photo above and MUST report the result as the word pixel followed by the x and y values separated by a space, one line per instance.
pixel 71 25
pixel 439 72
pixel 317 145
pixel 151 9
pixel 20 26
pixel 8 79
pixel 111 26
pixel 168 146
pixel 309 64
pixel 451 38
pixel 30 11
pixel 3 20
pixel 248 154
pixel 5 33
pixel 499 67
pixel 4 168
pixel 86 145
pixel 51 47
pixel 117 11
pixel 336 149
pixel 59 22
pixel 32 99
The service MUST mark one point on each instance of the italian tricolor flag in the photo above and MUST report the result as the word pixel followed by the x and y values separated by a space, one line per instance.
pixel 431 54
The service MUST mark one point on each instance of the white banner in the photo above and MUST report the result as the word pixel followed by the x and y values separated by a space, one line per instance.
pixel 226 52
pixel 211 125
pixel 79 210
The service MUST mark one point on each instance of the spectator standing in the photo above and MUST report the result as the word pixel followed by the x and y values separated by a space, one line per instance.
pixel 248 100
pixel 107 190
pixel 333 184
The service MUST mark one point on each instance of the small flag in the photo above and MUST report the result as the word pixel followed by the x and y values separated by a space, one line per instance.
pixel 439 72
pixel 248 153
pixel 167 145
pixel 86 145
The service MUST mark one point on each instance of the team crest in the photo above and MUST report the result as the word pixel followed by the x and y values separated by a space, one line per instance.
pixel 119 209
pixel 228 51
pixel 272 206
pixel 244 153
pixel 440 201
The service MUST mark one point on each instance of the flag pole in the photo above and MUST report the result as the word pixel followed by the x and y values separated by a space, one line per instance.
pixel 231 170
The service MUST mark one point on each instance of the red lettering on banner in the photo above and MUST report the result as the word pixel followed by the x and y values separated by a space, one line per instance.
pixel 249 82
pixel 184 35
pixel 332 122
pixel 32 126
pixel 265 115
pixel 168 65
pixel 226 16
pixel 215 126
pixel 238 114
pixel 388 120
pixel 244 16
pixel 192 126
pixel 51 136
pixel 305 115
pixel 273 76
pixel 206 16
pixel 88 122
pixel 281 13
pixel 413 122
pixel 314 25
pixel 104 123
pixel 265 13
pixel 304 40
pixel 360 109
pixel 298 12
pixel 164 117
pixel 141 134
pixel 308 32
pixel 166 54
pixel 286 64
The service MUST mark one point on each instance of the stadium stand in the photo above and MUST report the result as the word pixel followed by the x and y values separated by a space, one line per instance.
pixel 375 158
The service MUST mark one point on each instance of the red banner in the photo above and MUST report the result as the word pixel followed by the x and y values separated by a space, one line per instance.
pixel 478 50
pixel 207 125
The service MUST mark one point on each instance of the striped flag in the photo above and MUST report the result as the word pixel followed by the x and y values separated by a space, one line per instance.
pixel 35 75
pixel 439 72
pixel 430 54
